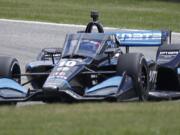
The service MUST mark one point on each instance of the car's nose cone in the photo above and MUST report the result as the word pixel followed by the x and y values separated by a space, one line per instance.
pixel 56 84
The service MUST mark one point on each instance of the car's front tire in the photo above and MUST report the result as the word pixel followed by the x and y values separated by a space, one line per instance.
pixel 9 68
pixel 135 65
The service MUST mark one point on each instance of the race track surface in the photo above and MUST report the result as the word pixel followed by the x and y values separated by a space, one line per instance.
pixel 24 40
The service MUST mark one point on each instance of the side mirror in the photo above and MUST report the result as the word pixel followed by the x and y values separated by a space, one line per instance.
pixel 52 53
pixel 110 51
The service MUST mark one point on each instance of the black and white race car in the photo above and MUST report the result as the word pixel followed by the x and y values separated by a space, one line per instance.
pixel 94 67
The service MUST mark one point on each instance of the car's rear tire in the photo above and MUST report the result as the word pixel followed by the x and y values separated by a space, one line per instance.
pixel 135 65
pixel 10 68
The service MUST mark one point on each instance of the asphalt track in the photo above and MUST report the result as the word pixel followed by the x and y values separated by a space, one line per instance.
pixel 23 39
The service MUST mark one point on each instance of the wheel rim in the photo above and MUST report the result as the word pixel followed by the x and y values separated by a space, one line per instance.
pixel 144 83
pixel 15 72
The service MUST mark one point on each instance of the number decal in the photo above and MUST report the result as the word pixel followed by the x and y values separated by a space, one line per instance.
pixel 67 63
pixel 70 63
pixel 62 63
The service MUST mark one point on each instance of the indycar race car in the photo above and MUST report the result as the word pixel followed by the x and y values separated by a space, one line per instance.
pixel 92 66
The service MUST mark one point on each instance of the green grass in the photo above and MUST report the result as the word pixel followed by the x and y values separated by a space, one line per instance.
pixel 160 118
pixel 149 14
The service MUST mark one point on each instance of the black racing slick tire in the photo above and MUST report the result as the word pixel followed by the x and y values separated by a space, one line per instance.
pixel 9 68
pixel 135 65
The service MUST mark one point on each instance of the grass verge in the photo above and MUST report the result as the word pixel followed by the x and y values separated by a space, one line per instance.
pixel 92 119
pixel 151 14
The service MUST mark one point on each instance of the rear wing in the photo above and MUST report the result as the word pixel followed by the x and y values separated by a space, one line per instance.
pixel 143 38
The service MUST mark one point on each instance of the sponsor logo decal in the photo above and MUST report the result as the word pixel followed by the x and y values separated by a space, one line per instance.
pixel 139 36
pixel 169 52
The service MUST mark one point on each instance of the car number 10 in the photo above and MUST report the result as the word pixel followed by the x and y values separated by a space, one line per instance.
pixel 67 63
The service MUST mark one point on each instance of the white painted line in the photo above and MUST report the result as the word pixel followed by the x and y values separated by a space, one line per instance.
pixel 175 33
pixel 42 23
pixel 62 25
pixel 48 23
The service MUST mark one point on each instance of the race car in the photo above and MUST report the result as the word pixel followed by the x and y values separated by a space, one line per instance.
pixel 92 66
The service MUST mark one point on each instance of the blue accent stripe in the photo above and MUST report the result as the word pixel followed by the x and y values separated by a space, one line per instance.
pixel 111 82
pixel 178 70
pixel 11 84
